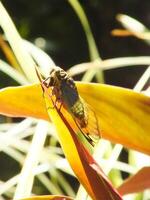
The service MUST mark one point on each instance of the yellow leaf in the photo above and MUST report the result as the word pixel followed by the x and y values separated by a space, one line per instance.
pixel 48 197
pixel 23 101
pixel 123 115
pixel 84 166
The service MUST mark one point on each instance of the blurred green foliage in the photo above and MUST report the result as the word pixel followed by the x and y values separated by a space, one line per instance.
pixel 56 22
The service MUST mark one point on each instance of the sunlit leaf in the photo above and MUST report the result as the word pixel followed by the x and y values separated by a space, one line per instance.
pixel 123 115
pixel 136 183
pixel 9 54
pixel 48 197
pixel 23 102
pixel 84 166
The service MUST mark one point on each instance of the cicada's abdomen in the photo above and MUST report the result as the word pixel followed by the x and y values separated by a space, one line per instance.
pixel 78 111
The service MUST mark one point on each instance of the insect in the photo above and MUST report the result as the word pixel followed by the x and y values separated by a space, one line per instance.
pixel 66 93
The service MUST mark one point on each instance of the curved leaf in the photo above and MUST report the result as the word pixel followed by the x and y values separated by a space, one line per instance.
pixel 84 166
pixel 23 101
pixel 123 115
pixel 48 197
pixel 136 183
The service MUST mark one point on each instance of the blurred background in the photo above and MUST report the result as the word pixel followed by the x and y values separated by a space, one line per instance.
pixel 54 26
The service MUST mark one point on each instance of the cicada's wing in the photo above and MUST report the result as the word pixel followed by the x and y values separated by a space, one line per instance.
pixel 91 129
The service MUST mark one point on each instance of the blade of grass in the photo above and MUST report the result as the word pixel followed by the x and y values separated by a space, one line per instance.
pixel 120 166
pixel 112 159
pixel 26 178
pixel 108 64
pixel 65 185
pixel 16 155
pixel 85 24
pixel 11 72
pixel 19 128
pixel 42 59
pixel 50 186
pixel 8 184
pixel 4 187
pixel 9 54
pixel 130 23
pixel 93 51
pixel 81 194
pixel 142 81
pixel 134 26
pixel 24 59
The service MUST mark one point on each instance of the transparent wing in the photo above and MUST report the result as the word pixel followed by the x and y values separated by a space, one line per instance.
pixel 91 129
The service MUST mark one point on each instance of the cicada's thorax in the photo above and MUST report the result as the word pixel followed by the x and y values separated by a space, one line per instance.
pixel 66 92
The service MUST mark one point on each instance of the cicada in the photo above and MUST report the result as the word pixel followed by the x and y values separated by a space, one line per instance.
pixel 65 91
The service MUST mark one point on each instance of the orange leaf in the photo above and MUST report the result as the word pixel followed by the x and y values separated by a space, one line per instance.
pixel 84 166
pixel 23 101
pixel 136 183
pixel 48 197
pixel 123 115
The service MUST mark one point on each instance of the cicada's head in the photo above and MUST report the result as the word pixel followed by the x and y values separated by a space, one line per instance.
pixel 55 77
pixel 62 77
